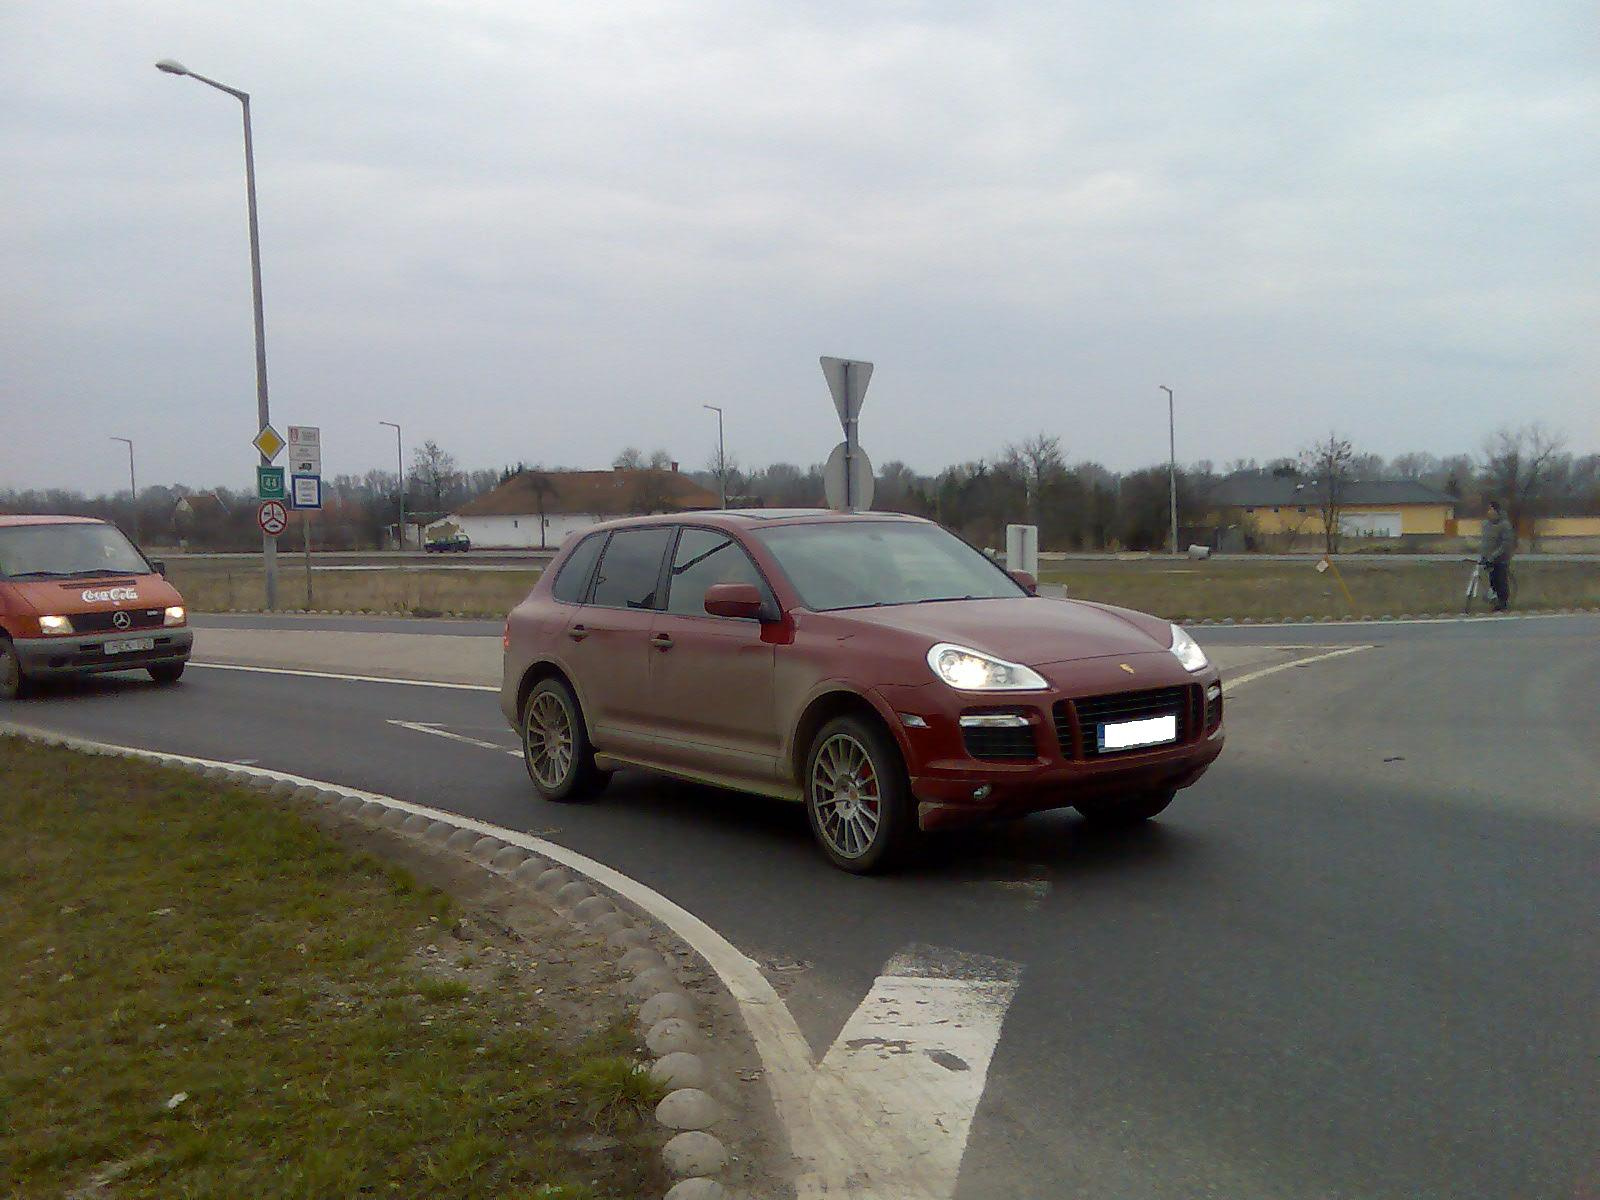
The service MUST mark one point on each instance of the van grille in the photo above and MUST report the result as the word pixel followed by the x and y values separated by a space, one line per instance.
pixel 1183 702
pixel 105 622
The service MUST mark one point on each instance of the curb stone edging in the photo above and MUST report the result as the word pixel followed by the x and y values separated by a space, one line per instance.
pixel 665 1013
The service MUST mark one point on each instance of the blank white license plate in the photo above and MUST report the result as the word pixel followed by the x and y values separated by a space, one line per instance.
pixel 1125 735
pixel 128 645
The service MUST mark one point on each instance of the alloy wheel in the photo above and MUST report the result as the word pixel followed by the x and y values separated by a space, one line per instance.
pixel 549 742
pixel 846 796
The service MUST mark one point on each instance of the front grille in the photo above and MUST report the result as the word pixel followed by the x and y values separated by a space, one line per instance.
pixel 1092 712
pixel 1000 743
pixel 105 622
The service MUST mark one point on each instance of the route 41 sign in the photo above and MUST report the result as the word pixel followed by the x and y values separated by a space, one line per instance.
pixel 272 517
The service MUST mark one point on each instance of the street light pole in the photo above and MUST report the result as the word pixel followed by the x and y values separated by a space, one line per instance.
pixel 1172 464
pixel 400 480
pixel 133 487
pixel 269 544
pixel 722 457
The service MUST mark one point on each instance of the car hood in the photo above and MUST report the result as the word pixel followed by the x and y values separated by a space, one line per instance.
pixel 95 594
pixel 1034 630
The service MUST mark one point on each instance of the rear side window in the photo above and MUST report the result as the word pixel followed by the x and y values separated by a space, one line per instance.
pixel 705 557
pixel 573 581
pixel 630 570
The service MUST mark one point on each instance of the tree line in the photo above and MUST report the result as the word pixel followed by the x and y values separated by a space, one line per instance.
pixel 1077 505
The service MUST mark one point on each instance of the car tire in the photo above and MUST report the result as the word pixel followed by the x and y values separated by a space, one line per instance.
pixel 166 674
pixel 857 796
pixel 555 745
pixel 14 685
pixel 1125 813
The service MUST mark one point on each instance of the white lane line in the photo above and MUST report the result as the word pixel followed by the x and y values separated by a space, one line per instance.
pixel 433 728
pixel 427 683
pixel 1370 621
pixel 1229 685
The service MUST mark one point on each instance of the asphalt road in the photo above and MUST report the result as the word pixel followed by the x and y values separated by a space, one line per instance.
pixel 1358 959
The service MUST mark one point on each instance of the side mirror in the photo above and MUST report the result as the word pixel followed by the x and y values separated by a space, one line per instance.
pixel 160 566
pixel 735 600
pixel 1025 581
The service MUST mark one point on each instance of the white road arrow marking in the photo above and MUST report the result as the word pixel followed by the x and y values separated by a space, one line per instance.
pixel 906 1074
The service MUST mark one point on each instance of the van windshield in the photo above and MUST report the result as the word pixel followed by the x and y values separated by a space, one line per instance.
pixel 67 551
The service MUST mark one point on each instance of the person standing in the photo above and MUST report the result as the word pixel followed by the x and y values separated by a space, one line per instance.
pixel 1499 543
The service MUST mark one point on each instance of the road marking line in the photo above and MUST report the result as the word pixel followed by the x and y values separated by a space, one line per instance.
pixel 1229 685
pixel 427 683
pixel 433 728
pixel 834 1133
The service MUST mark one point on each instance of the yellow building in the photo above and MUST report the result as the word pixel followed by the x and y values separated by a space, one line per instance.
pixel 1288 506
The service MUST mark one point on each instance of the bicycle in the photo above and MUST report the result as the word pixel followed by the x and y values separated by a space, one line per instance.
pixel 1478 584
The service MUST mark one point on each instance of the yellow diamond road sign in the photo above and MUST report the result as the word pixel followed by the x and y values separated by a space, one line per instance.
pixel 269 442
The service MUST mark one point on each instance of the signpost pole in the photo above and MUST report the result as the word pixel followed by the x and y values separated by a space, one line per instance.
pixel 849 451
pixel 305 524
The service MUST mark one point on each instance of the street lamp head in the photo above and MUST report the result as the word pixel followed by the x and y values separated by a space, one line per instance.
pixel 172 67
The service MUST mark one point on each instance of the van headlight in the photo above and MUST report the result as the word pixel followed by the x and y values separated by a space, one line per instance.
pixel 174 615
pixel 55 625
pixel 974 671
pixel 1188 651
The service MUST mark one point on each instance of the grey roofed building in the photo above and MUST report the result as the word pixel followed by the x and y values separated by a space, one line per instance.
pixel 1260 489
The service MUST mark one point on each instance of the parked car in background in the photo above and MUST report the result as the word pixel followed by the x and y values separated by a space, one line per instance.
pixel 448 542
pixel 874 667
pixel 77 598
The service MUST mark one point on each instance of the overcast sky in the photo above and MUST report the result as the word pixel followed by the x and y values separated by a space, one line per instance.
pixel 542 231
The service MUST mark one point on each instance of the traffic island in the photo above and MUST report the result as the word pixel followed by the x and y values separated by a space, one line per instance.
pixel 207 994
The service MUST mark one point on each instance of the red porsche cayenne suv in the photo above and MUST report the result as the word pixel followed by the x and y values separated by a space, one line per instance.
pixel 873 667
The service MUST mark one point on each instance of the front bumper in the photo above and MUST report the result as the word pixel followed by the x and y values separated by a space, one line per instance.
pixel 84 654
pixel 953 787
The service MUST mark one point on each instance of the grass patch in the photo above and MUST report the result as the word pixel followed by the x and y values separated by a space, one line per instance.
pixel 1192 589
pixel 166 937
pixel 210 586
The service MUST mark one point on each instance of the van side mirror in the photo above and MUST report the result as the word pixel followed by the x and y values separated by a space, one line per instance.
pixel 160 566
pixel 1025 581
pixel 735 600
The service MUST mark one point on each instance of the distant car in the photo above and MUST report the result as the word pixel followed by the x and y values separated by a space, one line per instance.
pixel 874 667
pixel 447 543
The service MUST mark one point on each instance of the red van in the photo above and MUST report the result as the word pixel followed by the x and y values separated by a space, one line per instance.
pixel 76 597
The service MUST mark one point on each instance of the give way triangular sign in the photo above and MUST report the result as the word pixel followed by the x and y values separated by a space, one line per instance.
pixel 847 380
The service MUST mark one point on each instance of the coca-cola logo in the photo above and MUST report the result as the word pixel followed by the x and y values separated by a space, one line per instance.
pixel 112 595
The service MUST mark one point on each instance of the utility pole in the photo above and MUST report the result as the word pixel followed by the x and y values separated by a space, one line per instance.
pixel 722 457
pixel 133 488
pixel 400 480
pixel 1172 465
pixel 269 544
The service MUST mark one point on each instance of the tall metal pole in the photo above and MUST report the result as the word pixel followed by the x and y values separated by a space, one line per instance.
pixel 133 487
pixel 849 452
pixel 1172 465
pixel 722 456
pixel 269 544
pixel 400 480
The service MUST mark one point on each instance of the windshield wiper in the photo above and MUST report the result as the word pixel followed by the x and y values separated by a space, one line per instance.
pixel 39 575
pixel 946 599
pixel 88 571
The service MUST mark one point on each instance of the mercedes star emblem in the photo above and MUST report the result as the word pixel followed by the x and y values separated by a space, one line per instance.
pixel 122 621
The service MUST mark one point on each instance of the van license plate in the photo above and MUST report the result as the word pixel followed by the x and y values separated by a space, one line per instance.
pixel 1125 735
pixel 129 645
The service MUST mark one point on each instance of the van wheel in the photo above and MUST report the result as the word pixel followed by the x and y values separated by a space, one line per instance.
pixel 167 674
pixel 555 745
pixel 858 798
pixel 13 683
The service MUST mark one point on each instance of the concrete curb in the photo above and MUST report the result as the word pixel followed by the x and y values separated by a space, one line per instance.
pixel 664 1012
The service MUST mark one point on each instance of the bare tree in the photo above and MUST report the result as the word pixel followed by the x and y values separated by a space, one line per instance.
pixel 1330 463
pixel 1414 465
pixel 1037 461
pixel 543 488
pixel 629 460
pixel 1519 466
pixel 660 460
pixel 435 474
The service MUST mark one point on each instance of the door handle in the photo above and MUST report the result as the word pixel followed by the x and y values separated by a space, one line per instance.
pixel 662 641
pixel 578 632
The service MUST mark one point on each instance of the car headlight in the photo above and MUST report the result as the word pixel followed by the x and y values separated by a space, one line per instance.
pixel 1188 651
pixel 975 671
pixel 174 615
pixel 55 625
